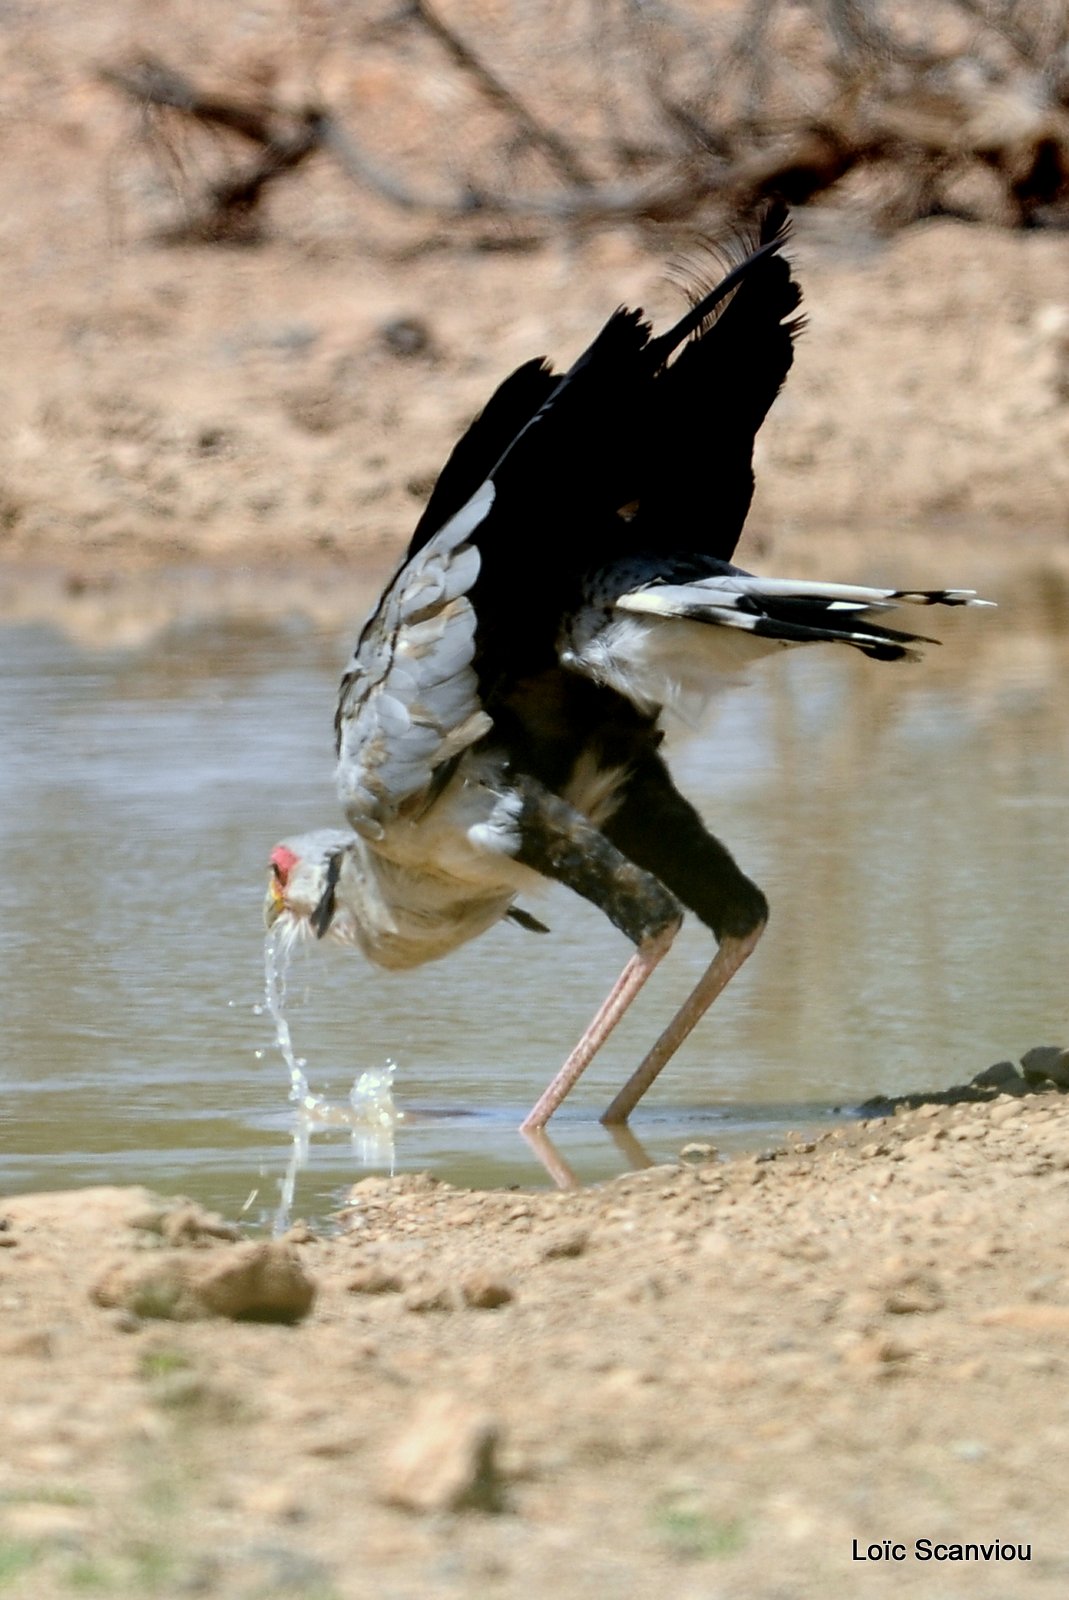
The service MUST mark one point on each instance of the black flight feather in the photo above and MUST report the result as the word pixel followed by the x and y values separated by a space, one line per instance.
pixel 710 404
pixel 474 456
pixel 624 428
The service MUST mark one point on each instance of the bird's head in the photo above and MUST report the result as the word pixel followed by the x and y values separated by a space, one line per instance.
pixel 303 885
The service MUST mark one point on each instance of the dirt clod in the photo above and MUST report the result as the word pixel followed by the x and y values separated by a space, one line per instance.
pixel 250 1282
pixel 485 1291
pixel 374 1279
pixel 446 1459
pixel 430 1297
pixel 914 1292
pixel 566 1245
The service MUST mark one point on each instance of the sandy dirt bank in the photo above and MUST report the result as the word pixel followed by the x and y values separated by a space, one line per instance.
pixel 712 1375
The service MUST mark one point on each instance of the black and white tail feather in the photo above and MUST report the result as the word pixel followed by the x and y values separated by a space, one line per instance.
pixel 644 649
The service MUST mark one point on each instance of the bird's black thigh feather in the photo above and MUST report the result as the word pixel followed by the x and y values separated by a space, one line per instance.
pixel 561 843
pixel 655 827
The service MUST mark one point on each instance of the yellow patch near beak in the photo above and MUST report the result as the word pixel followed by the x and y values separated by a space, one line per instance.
pixel 274 903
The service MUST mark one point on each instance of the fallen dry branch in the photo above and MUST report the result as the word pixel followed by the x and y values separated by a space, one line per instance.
pixel 225 211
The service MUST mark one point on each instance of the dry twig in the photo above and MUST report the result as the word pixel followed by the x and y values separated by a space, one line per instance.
pixel 769 101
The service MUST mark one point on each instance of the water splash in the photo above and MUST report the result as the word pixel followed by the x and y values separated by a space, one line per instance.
pixel 372 1146
pixel 370 1113
pixel 279 945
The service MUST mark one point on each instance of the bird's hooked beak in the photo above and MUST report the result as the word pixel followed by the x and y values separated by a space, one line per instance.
pixel 283 861
pixel 274 902
pixel 319 918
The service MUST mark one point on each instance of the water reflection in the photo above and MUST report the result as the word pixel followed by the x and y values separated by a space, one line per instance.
pixel 910 826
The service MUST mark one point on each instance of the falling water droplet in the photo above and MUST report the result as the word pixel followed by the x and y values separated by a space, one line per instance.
pixel 278 947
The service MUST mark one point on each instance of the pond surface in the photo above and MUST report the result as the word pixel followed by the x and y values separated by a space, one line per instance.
pixel 910 825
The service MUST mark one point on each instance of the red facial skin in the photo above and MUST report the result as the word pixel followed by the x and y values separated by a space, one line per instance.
pixel 283 861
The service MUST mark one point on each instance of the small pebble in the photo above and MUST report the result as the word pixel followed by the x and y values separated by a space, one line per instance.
pixel 430 1297
pixel 485 1292
pixel 373 1279
pixel 406 336
pixel 300 1233
pixel 275 1500
pixel 914 1293
pixel 34 1342
pixel 567 1245
pixel 877 1352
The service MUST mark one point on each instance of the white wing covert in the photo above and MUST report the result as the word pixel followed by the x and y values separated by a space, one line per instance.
pixel 409 700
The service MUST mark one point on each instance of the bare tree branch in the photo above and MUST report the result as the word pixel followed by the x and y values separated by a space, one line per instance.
pixel 361 169
pixel 224 211
pixel 731 107
pixel 153 83
pixel 558 151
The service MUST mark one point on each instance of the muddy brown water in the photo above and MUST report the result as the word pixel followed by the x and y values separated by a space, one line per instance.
pixel 909 824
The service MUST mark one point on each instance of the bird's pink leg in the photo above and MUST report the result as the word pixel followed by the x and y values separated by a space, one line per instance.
pixel 620 996
pixel 729 957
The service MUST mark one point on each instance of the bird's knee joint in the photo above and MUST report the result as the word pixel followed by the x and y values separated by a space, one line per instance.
pixel 651 916
pixel 747 913
pixel 660 937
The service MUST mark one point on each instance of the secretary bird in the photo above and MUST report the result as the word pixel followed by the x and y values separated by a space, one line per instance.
pixel 500 720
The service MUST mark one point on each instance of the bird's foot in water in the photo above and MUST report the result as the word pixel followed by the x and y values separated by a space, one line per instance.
pixel 645 959
pixel 730 955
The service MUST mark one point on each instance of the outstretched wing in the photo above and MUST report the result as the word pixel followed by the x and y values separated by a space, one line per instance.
pixel 549 466
pixel 696 481
pixel 409 700
pixel 632 453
